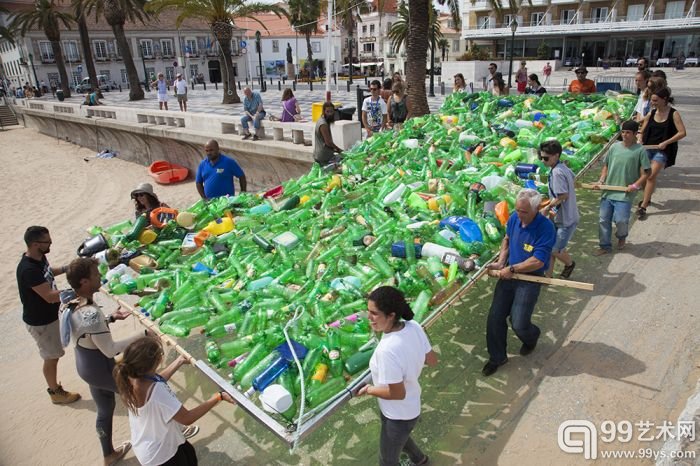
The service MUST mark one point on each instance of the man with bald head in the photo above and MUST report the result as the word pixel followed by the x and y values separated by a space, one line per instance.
pixel 215 174
pixel 253 111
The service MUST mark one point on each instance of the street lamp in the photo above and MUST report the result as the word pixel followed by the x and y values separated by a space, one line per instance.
pixel 145 73
pixel 513 28
pixel 31 62
pixel 258 43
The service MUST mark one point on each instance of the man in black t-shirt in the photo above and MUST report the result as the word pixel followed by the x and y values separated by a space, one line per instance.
pixel 40 301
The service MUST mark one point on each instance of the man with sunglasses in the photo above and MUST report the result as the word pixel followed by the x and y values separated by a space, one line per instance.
pixel 643 64
pixel 562 207
pixel 40 301
pixel 374 111
pixel 582 85
pixel 492 73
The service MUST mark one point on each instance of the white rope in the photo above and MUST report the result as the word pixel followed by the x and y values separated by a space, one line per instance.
pixel 297 315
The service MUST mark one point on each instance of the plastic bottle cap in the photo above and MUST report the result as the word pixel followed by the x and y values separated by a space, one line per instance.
pixel 276 399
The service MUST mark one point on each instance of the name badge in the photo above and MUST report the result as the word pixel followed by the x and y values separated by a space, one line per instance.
pixel 528 247
pixel 219 171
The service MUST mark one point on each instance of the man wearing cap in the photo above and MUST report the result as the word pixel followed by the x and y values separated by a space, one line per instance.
pixel 582 85
pixel 215 174
pixel 626 164
pixel 181 92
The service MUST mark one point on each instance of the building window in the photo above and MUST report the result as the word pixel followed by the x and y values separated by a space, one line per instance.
pixel 194 71
pixel 635 12
pixel 166 46
pixel 234 47
pixel 100 49
pixel 388 27
pixel 316 46
pixel 455 45
pixel 536 19
pixel 371 29
pixel 191 47
pixel 275 46
pixel 125 76
pixel 484 22
pixel 450 24
pixel 46 51
pixel 368 47
pixel 151 73
pixel 146 48
pixel 568 16
pixel 170 73
pixel 599 15
pixel 107 74
pixel 674 10
pixel 507 19
pixel 364 29
pixel 70 48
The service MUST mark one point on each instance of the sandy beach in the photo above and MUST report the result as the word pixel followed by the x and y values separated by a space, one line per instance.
pixel 65 188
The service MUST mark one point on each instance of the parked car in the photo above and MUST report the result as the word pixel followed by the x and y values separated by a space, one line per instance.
pixel 84 85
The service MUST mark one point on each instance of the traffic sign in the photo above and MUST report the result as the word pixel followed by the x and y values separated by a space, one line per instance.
pixel 243 44
pixel 79 68
pixel 175 64
pixel 244 51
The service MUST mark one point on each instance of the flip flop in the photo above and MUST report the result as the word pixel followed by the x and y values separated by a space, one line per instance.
pixel 122 449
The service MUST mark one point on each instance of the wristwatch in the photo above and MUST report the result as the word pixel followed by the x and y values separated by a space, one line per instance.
pixel 512 269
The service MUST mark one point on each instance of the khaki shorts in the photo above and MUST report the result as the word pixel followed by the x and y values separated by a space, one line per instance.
pixel 182 97
pixel 48 339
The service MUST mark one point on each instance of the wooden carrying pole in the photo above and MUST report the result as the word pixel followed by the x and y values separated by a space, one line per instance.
pixel 547 281
pixel 601 187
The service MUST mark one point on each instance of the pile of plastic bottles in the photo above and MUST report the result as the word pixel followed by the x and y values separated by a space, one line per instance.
pixel 421 209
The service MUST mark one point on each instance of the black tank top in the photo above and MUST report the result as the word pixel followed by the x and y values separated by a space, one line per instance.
pixel 657 132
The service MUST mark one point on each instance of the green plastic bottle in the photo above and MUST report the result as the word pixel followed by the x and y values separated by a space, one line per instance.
pixel 256 355
pixel 324 392
pixel 358 361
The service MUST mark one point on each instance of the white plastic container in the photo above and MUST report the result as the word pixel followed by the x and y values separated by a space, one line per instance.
pixel 395 195
pixel 435 250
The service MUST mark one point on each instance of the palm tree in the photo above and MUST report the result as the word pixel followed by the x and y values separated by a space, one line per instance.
pixel 47 15
pixel 418 39
pixel 6 33
pixel 79 14
pixel 303 15
pixel 220 16
pixel 115 13
pixel 348 12
pixel 444 46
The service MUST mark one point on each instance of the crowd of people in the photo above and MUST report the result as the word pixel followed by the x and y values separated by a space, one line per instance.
pixel 537 236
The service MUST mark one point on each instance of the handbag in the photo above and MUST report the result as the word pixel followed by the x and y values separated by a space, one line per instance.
pixel 295 117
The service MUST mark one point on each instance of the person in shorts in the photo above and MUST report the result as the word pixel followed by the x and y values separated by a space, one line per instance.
pixel 181 92
pixel 161 85
pixel 562 207
pixel 40 302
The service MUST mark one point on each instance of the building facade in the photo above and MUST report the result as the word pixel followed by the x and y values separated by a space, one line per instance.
pixel 374 48
pixel 588 31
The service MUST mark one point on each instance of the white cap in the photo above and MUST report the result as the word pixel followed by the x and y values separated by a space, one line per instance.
pixel 276 399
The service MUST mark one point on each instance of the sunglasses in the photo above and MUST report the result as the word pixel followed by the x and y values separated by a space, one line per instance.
pixel 43 242
pixel 581 72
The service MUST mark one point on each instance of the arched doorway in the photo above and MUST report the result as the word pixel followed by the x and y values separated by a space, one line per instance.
pixel 214 71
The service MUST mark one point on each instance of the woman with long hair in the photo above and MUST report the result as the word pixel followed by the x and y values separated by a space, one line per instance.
pixel 398 108
pixel 290 107
pixel 396 365
pixel 499 86
pixel 661 130
pixel 459 84
pixel 534 86
pixel 156 416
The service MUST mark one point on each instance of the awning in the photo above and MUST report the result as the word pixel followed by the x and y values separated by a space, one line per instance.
pixel 359 65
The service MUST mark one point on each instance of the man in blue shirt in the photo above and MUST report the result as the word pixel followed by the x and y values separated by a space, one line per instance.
pixel 526 249
pixel 215 173
pixel 254 111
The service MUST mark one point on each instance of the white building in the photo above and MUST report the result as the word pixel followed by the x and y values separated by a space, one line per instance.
pixel 374 47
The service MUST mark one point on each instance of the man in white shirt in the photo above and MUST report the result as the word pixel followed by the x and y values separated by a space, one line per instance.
pixel 181 92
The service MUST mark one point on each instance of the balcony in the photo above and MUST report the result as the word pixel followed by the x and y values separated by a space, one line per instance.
pixel 587 25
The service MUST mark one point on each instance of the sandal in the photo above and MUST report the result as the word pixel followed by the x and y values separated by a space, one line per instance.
pixel 121 451
pixel 641 212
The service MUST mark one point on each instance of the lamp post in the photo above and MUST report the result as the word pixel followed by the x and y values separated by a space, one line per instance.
pixel 258 44
pixel 432 68
pixel 145 73
pixel 513 28
pixel 31 63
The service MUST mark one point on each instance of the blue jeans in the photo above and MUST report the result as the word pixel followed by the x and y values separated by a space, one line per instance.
pixel 613 211
pixel 517 299
pixel 256 122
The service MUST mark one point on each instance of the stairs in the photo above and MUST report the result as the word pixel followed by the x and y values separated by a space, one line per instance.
pixel 7 116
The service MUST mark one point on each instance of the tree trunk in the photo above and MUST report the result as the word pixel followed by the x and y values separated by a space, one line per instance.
pixel 416 55
pixel 61 65
pixel 309 55
pixel 229 80
pixel 135 90
pixel 87 50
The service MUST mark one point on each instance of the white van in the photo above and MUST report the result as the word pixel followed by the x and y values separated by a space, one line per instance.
pixel 84 85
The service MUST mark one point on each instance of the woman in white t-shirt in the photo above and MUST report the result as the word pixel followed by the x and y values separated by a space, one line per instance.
pixel 156 415
pixel 395 366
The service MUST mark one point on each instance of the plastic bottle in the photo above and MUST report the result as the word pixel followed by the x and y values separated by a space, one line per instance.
pixel 358 361
pixel 322 393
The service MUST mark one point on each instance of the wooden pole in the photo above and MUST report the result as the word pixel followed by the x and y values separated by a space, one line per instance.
pixel 601 187
pixel 547 281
